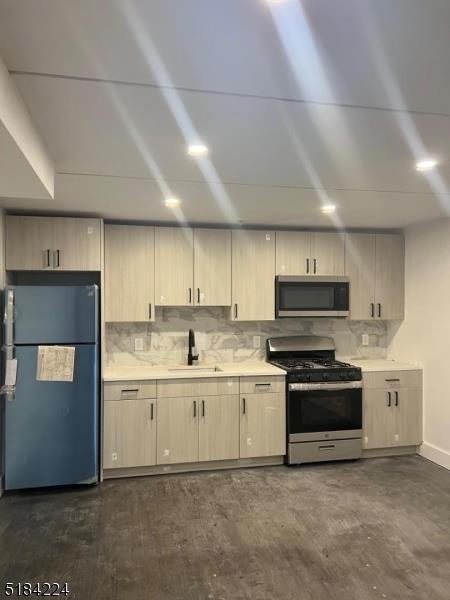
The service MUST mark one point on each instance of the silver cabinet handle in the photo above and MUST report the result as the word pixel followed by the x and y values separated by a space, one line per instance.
pixel 315 265
pixel 379 310
pixel 396 399
pixel 190 295
pixel 307 265
pixel 151 411
pixel 195 408
pixel 198 295
pixel 389 400
pixel 236 311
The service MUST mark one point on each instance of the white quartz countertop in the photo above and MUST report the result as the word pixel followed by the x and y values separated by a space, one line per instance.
pixel 381 364
pixel 118 373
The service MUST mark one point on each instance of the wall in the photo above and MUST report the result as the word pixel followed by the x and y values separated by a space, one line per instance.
pixel 2 285
pixel 424 335
pixel 221 340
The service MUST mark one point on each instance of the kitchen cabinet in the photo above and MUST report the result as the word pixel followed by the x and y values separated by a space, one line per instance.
pixel 174 268
pixel 212 267
pixel 177 430
pixel 310 253
pixel 52 243
pixel 129 273
pixel 253 275
pixel 392 409
pixel 262 425
pixel 192 267
pixel 218 428
pixel 129 433
pixel 375 266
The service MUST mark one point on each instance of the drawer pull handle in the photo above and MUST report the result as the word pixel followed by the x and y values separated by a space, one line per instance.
pixel 327 447
pixel 389 380
pixel 134 391
pixel 263 384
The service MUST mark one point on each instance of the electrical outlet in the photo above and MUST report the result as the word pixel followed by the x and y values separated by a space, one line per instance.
pixel 256 341
pixel 138 344
pixel 365 339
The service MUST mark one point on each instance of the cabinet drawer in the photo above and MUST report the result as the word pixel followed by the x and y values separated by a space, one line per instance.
pixel 392 379
pixel 259 385
pixel 305 452
pixel 175 388
pixel 129 390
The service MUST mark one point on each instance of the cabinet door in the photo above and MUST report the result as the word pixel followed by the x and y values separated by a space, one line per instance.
pixel 379 423
pixel 390 276
pixel 263 425
pixel 293 253
pixel 29 243
pixel 219 427
pixel 327 254
pixel 177 430
pixel 360 267
pixel 212 267
pixel 408 416
pixel 129 273
pixel 174 266
pixel 76 244
pixel 129 434
pixel 253 275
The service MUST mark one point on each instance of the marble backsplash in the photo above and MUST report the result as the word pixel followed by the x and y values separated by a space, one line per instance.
pixel 221 340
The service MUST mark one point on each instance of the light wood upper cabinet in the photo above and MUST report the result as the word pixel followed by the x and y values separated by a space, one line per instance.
pixel 53 243
pixel 129 273
pixel 212 267
pixel 375 265
pixel 129 434
pixel 174 266
pixel 360 267
pixel 309 253
pixel 389 276
pixel 253 275
pixel 76 244
pixel 29 243
pixel 219 428
pixel 262 425
pixel 177 430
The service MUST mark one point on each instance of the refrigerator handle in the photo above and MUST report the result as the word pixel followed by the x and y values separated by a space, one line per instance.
pixel 9 387
pixel 8 320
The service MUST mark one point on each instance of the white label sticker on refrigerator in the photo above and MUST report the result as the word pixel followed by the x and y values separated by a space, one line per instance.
pixel 11 372
pixel 55 363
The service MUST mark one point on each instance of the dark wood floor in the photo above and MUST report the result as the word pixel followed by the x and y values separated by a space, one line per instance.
pixel 371 529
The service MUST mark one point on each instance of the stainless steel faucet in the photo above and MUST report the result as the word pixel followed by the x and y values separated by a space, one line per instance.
pixel 192 352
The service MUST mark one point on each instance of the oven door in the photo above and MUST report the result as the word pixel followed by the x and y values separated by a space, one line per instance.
pixel 321 411
pixel 312 296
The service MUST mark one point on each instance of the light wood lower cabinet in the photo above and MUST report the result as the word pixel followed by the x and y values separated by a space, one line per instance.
pixel 218 428
pixel 177 430
pixel 262 425
pixel 129 433
pixel 392 414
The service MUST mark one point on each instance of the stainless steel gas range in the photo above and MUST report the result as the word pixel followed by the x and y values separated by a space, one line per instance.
pixel 323 399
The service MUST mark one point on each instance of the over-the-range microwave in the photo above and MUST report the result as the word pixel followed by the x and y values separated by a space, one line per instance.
pixel 311 296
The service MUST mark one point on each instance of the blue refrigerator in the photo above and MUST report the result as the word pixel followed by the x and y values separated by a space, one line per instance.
pixel 51 427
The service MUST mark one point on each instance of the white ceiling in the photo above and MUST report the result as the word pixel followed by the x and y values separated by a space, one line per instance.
pixel 300 103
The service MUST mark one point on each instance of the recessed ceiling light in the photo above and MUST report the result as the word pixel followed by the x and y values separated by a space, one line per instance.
pixel 197 150
pixel 328 209
pixel 172 202
pixel 426 165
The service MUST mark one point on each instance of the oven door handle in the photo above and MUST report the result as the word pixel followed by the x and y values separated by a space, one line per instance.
pixel 331 386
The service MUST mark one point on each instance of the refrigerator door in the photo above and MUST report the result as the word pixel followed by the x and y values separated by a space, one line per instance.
pixel 52 427
pixel 51 314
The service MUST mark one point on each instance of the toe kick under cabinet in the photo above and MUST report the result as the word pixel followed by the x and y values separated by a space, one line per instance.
pixel 392 411
pixel 188 424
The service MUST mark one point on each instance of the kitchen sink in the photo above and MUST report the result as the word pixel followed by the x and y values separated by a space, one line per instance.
pixel 196 369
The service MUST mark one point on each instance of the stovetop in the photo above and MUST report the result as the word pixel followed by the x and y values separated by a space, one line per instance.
pixel 328 369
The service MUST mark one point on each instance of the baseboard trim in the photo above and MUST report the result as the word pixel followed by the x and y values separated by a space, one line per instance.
pixel 395 451
pixel 437 455
pixel 238 463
